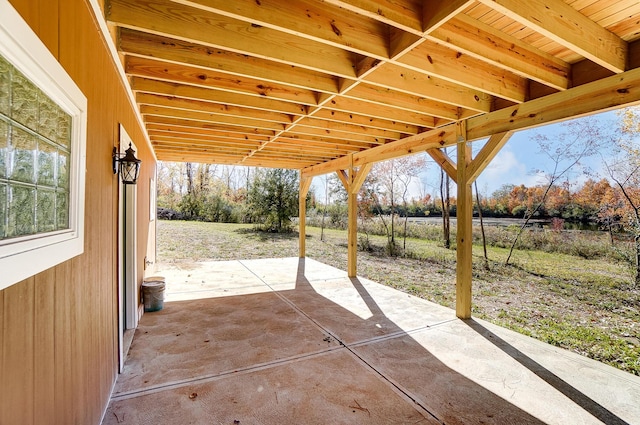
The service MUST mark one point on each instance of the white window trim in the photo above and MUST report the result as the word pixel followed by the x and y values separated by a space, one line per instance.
pixel 26 256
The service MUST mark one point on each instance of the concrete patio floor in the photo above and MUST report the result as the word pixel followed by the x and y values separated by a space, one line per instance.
pixel 290 341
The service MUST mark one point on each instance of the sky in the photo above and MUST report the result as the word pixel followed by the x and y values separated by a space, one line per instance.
pixel 515 164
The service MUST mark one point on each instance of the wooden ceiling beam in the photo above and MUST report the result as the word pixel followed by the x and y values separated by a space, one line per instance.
pixel 448 64
pixel 341 149
pixel 214 108
pixel 323 23
pixel 327 125
pixel 212 95
pixel 366 121
pixel 170 19
pixel 407 81
pixel 483 42
pixel 178 51
pixel 171 131
pixel 209 117
pixel 438 12
pixel 173 135
pixel 336 135
pixel 404 14
pixel 199 126
pixel 304 138
pixel 188 144
pixel 381 111
pixel 568 27
pixel 184 74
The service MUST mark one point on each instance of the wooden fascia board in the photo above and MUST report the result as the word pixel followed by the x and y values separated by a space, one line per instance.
pixel 609 93
pixel 445 162
pixel 341 163
pixel 486 155
pixel 407 146
pixel 565 25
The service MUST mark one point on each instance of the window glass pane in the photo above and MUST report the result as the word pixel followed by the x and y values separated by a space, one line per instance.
pixel 3 210
pixel 24 101
pixel 5 86
pixel 4 144
pixel 47 158
pixel 63 169
pixel 62 210
pixel 46 210
pixel 22 151
pixel 48 117
pixel 63 130
pixel 21 210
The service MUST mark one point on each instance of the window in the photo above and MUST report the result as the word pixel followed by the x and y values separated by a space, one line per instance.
pixel 42 155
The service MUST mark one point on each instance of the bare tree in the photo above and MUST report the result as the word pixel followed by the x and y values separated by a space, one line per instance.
pixel 581 139
pixel 445 198
pixel 395 177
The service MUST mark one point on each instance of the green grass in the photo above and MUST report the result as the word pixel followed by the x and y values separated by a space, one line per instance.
pixel 585 305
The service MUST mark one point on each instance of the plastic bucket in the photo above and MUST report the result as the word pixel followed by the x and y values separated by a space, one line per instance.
pixel 153 293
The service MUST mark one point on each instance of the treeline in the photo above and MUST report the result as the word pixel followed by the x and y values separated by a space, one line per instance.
pixel 592 202
pixel 242 195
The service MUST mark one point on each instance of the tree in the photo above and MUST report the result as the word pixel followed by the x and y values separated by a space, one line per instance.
pixel 625 172
pixel 394 177
pixel 273 199
pixel 582 138
pixel 446 206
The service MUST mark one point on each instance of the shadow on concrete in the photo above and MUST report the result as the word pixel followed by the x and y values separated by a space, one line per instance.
pixel 588 404
pixel 398 359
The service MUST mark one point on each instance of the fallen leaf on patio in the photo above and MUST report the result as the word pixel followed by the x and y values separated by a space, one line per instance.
pixel 357 406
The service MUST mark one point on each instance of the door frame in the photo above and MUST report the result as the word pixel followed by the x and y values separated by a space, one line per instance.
pixel 128 294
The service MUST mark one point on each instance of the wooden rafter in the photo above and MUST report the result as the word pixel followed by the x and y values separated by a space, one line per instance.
pixel 326 79
pixel 566 26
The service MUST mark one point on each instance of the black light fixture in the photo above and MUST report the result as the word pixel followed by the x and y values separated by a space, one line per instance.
pixel 128 165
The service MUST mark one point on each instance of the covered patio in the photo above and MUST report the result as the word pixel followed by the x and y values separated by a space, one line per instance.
pixel 293 340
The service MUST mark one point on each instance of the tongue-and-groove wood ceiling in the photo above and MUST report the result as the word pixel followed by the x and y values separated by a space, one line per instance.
pixel 298 83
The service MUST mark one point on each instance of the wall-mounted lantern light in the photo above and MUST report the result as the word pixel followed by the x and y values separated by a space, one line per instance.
pixel 128 165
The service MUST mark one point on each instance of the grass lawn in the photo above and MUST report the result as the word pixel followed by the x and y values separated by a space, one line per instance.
pixel 587 306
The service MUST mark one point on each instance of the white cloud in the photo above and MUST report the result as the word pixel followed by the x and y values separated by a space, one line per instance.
pixel 505 168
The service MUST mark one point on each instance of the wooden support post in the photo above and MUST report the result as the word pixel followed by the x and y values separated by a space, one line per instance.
pixel 464 231
pixel 352 228
pixel 354 182
pixel 305 183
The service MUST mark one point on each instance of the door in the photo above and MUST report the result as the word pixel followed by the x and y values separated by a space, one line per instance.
pixel 128 295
